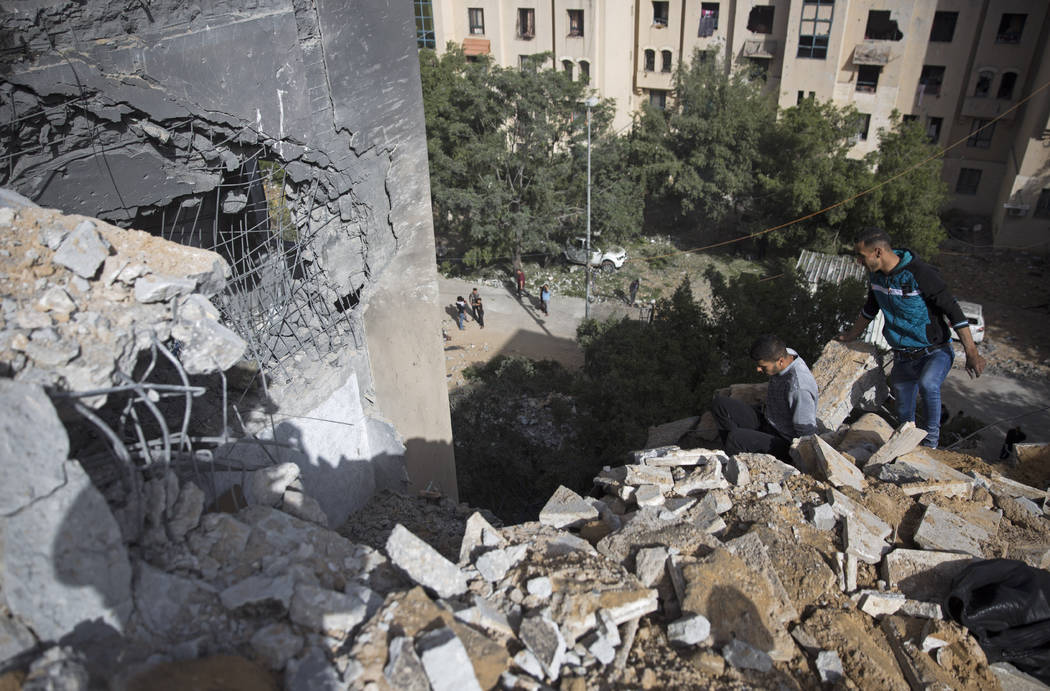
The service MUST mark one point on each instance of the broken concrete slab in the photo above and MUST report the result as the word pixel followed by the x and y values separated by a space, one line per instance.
pixel 83 250
pixel 823 517
pixel 843 507
pixel 921 610
pixel 739 601
pixel 1001 485
pixel 903 440
pixel 847 375
pixel 1013 679
pixel 921 464
pixel 567 509
pixel 63 560
pixel 424 564
pixel 864 437
pixel 878 603
pixel 276 644
pixel 649 495
pixel 736 471
pixel 829 667
pixel 494 564
pixel 689 630
pixel 33 445
pixel 404 669
pixel 675 457
pixel 638 475
pixel 741 655
pixel 650 565
pixel 922 574
pixel 477 535
pixel 677 506
pixel 958 489
pixel 544 639
pixel 446 662
pixel 488 617
pixel 753 551
pixel 945 531
pixel 835 467
pixel 706 477
pixel 326 611
pixel 862 542
pixel 260 594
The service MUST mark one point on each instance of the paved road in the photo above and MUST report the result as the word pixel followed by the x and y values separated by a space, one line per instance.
pixel 514 326
pixel 992 398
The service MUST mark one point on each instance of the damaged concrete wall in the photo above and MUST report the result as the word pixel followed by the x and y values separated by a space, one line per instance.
pixel 285 135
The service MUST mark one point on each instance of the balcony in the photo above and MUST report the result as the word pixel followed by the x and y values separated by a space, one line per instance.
pixel 872 53
pixel 987 108
pixel 760 48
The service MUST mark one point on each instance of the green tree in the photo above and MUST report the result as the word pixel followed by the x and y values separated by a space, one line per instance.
pixel 747 306
pixel 907 207
pixel 699 154
pixel 507 156
pixel 804 168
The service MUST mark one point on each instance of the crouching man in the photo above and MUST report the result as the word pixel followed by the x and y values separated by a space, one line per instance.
pixel 790 410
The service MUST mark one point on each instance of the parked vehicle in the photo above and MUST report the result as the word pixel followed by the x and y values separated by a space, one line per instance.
pixel 608 259
pixel 974 313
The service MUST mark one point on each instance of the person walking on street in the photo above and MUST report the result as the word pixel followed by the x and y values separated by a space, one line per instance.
pixel 519 277
pixel 479 312
pixel 634 289
pixel 790 410
pixel 474 299
pixel 461 309
pixel 918 308
pixel 545 298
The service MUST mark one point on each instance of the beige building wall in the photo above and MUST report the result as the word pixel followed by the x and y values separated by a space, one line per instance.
pixel 628 46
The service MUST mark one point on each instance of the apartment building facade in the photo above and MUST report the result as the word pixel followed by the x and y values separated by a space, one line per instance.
pixel 975 73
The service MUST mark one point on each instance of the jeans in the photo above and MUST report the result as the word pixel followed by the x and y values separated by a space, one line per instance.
pixel 461 321
pixel 924 374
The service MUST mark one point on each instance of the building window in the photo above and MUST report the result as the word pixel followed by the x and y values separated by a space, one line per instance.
pixel 758 68
pixel 585 72
pixel 943 29
pixel 526 23
pixel 815 28
pixel 524 63
pixel 425 24
pixel 665 60
pixel 984 83
pixel 863 123
pixel 658 98
pixel 476 15
pixel 660 13
pixel 969 179
pixel 760 19
pixel 575 22
pixel 980 134
pixel 1042 207
pixel 933 129
pixel 802 95
pixel 931 79
pixel 1006 86
pixel 1010 28
pixel 881 28
pixel 868 78
pixel 708 19
pixel 650 60
pixel 566 65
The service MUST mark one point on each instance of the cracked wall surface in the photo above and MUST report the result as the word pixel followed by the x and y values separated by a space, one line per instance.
pixel 285 135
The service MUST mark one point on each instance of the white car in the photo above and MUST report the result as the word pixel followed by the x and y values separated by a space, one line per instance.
pixel 609 259
pixel 974 313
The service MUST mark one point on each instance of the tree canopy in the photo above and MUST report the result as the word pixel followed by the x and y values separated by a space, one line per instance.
pixel 508 160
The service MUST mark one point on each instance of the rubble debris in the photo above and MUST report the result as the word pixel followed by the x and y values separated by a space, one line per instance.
pixel 922 574
pixel 829 666
pixel 848 375
pixel 566 509
pixel 689 630
pixel 945 531
pixel 446 662
pixel 903 440
pixel 423 564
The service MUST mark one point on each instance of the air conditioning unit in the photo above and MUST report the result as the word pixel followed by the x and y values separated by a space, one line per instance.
pixel 1016 210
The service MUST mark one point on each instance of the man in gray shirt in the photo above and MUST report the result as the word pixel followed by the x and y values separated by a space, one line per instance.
pixel 790 409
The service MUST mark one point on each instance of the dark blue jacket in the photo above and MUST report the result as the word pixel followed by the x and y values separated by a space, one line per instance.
pixel 915 301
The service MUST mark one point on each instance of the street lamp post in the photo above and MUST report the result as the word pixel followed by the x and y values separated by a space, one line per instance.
pixel 590 103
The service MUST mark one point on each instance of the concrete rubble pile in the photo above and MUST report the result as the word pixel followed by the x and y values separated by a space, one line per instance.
pixel 81 299
pixel 688 568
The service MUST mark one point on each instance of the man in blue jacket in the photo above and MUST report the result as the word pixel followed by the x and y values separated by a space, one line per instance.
pixel 918 308
pixel 790 410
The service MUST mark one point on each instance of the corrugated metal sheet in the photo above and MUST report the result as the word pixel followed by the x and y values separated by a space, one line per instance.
pixel 818 267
